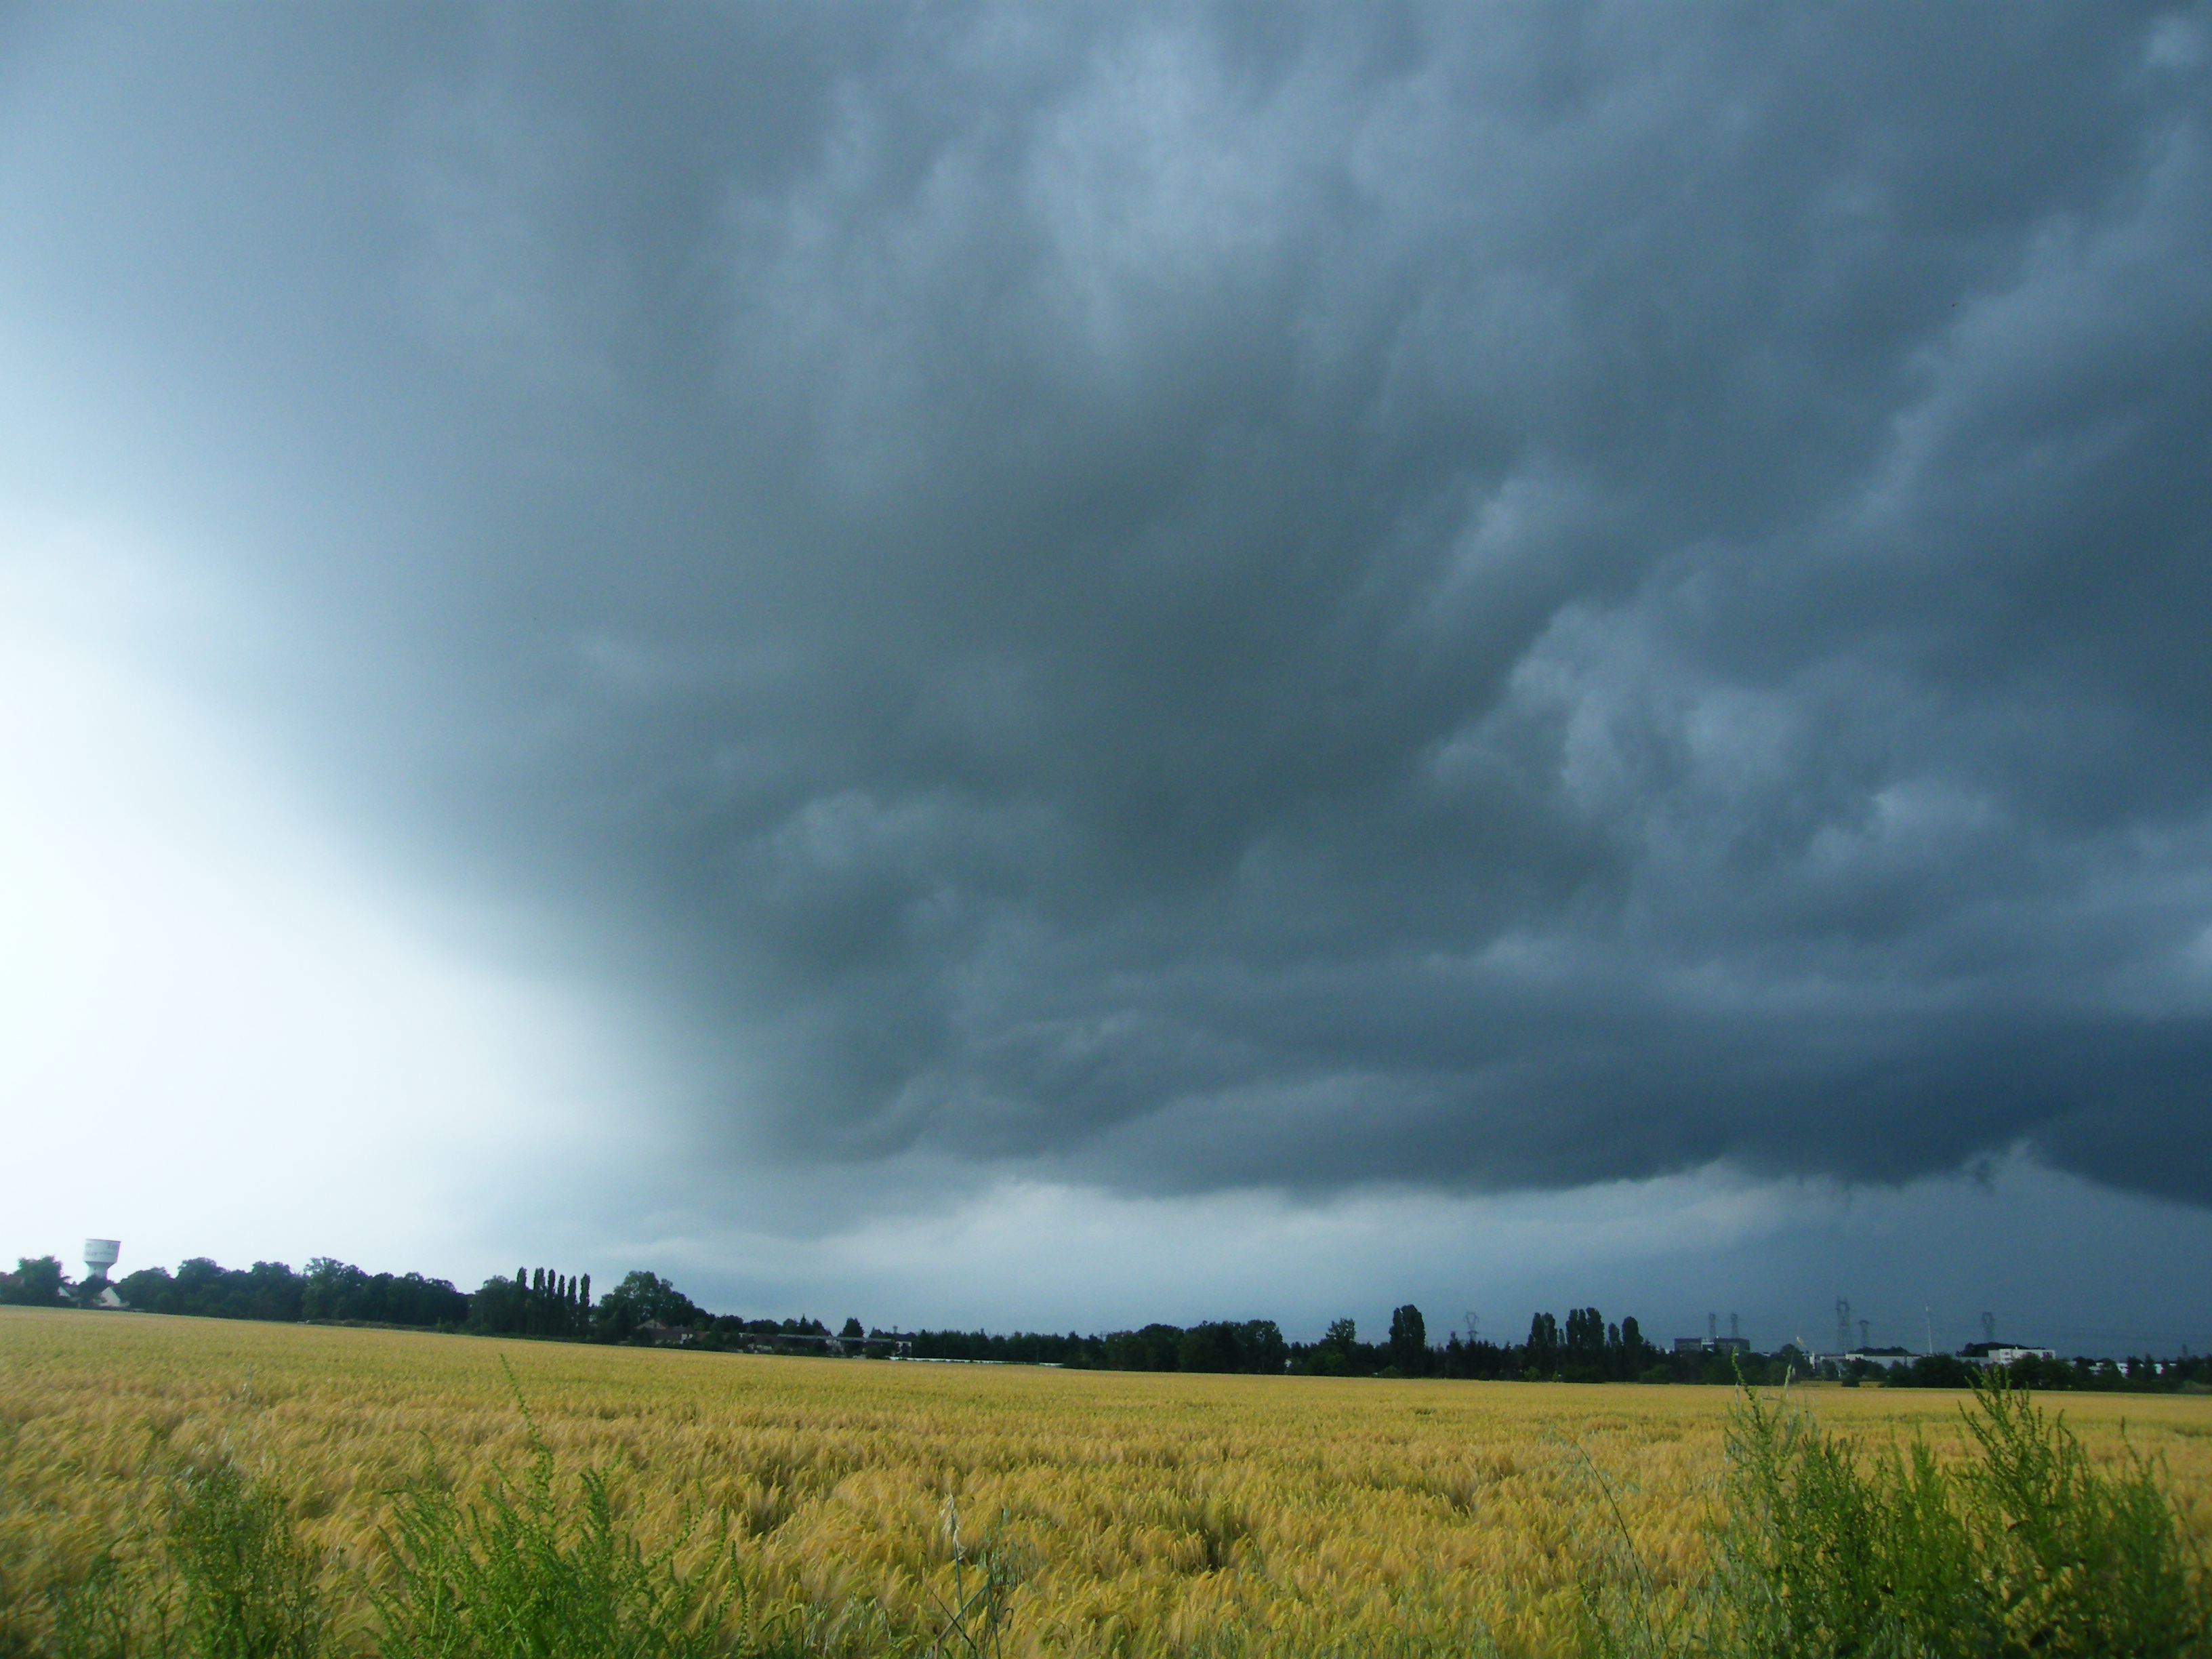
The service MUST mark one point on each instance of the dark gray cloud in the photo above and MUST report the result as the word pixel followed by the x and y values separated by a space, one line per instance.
pixel 1196 598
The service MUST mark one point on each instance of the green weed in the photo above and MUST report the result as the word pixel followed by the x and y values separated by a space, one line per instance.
pixel 227 1579
pixel 521 1574
pixel 2025 1548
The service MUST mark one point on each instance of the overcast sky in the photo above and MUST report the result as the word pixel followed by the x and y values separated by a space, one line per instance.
pixel 1055 666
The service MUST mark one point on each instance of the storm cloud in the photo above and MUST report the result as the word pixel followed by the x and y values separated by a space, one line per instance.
pixel 1177 599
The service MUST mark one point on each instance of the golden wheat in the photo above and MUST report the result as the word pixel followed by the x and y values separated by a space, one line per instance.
pixel 1147 1514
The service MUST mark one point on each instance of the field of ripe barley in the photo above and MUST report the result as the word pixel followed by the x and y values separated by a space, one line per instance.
pixel 1140 1514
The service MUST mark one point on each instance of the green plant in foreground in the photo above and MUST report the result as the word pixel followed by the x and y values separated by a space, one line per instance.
pixel 248 1590
pixel 109 1614
pixel 976 1620
pixel 2025 1548
pixel 230 1580
pixel 519 1575
pixel 2080 1561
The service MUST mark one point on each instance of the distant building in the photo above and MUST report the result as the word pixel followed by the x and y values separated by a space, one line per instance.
pixel 1731 1345
pixel 2001 1354
pixel 1689 1344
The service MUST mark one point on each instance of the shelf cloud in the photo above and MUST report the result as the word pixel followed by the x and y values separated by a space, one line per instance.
pixel 1181 599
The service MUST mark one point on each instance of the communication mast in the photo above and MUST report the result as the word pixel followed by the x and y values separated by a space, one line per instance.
pixel 1842 1324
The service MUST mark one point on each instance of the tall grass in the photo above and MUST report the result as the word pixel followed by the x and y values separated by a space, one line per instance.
pixel 676 1504
pixel 522 1573
pixel 523 1568
pixel 2026 1546
pixel 226 1580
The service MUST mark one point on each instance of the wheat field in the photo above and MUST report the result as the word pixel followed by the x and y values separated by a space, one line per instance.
pixel 1141 1514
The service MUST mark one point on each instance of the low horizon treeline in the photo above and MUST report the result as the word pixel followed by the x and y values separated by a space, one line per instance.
pixel 544 1304
pixel 1587 1349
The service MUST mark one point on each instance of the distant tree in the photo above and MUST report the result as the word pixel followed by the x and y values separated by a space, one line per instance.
pixel 2038 1373
pixel 1638 1356
pixel 644 1298
pixel 1209 1347
pixel 1582 1357
pixel 491 1307
pixel 150 1290
pixel 1339 1353
pixel 852 1330
pixel 1933 1370
pixel 339 1290
pixel 272 1291
pixel 334 1290
pixel 1409 1341
pixel 268 1290
pixel 37 1282
pixel 1542 1352
pixel 536 1301
pixel 1265 1351
pixel 1154 1348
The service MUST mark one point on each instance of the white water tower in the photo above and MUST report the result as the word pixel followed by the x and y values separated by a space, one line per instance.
pixel 99 1255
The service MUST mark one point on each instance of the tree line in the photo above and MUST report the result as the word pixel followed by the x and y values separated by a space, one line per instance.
pixel 2135 1374
pixel 1222 1345
pixel 546 1304
pixel 329 1290
pixel 541 1303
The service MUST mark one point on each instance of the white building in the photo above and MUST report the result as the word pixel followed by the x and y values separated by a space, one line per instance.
pixel 2001 1354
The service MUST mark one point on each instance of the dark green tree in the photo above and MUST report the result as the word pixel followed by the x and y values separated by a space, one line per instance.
pixel 1409 1341
pixel 642 1299
pixel 150 1290
pixel 1265 1351
pixel 1543 1349
pixel 1584 1356
pixel 1637 1355
pixel 37 1282
pixel 1338 1353
pixel 1209 1347
pixel 1155 1348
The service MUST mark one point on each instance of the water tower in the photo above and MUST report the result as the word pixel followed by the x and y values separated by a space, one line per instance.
pixel 99 1255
